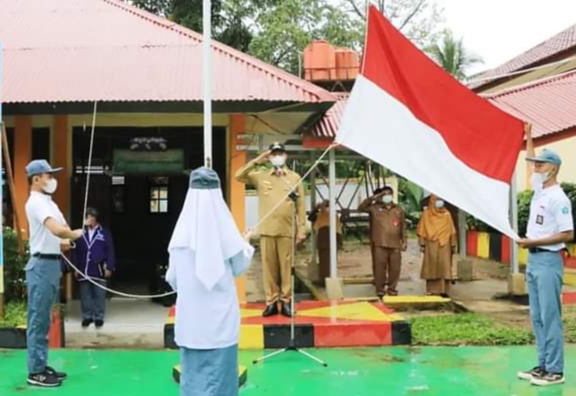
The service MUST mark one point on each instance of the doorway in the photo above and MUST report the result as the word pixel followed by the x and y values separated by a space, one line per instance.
pixel 139 202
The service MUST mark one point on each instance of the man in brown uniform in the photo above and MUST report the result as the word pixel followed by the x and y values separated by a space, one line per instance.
pixel 277 230
pixel 388 239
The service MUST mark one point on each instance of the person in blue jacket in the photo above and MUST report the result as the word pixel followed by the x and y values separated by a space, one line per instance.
pixel 94 257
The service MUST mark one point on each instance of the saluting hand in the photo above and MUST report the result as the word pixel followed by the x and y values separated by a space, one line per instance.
pixel 263 158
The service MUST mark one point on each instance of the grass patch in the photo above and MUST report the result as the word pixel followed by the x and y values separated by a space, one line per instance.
pixel 466 329
pixel 570 328
pixel 15 315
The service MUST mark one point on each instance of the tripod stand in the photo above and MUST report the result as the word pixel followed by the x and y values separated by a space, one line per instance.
pixel 292 342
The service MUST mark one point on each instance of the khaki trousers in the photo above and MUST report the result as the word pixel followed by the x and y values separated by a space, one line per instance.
pixel 276 264
pixel 387 263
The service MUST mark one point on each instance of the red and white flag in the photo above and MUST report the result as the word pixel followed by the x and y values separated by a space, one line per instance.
pixel 409 115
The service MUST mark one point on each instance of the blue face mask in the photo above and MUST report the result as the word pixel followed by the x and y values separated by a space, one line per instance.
pixel 439 204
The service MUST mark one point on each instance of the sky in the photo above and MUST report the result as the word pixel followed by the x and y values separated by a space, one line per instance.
pixel 498 30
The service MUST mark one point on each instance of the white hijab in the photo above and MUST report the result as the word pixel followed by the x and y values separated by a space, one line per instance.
pixel 207 228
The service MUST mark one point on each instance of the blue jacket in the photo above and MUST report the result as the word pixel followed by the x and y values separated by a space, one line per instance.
pixel 97 253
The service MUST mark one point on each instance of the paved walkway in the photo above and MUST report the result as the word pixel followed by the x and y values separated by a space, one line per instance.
pixel 351 372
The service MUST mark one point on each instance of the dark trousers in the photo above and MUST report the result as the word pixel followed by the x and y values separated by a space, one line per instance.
pixel 92 300
pixel 387 263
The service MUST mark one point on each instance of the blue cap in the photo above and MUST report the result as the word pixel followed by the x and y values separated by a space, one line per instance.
pixel 204 179
pixel 38 167
pixel 548 156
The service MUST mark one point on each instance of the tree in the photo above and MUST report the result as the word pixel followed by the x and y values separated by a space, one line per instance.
pixel 451 54
pixel 229 17
pixel 419 20
pixel 286 27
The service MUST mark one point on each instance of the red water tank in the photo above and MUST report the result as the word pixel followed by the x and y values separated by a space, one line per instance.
pixel 319 61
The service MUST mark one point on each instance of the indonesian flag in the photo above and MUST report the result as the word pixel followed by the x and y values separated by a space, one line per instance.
pixel 409 115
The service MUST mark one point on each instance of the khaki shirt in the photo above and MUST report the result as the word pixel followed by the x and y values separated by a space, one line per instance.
pixel 388 225
pixel 271 189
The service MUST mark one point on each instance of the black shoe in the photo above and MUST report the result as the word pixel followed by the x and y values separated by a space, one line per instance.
pixel 548 379
pixel 87 322
pixel 536 372
pixel 270 310
pixel 381 296
pixel 287 309
pixel 44 380
pixel 99 323
pixel 58 374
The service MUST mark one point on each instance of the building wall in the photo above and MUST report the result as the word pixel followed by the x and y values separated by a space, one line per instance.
pixel 566 148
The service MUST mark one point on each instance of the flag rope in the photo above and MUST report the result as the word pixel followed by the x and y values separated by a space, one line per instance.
pixel 143 296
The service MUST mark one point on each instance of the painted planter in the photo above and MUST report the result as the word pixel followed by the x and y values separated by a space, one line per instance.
pixel 496 247
pixel 15 337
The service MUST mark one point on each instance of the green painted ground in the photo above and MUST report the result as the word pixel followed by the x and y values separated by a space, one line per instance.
pixel 465 371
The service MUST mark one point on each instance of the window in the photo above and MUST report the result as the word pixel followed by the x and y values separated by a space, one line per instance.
pixel 159 195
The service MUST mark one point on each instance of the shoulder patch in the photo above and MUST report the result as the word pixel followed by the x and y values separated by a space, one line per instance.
pixel 565 210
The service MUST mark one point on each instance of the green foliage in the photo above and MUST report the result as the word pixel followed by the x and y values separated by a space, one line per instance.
pixel 14 274
pixel 410 196
pixel 451 54
pixel 524 199
pixel 466 329
pixel 419 20
pixel 15 315
pixel 277 31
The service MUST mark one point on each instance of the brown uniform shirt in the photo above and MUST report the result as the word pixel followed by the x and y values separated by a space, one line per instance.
pixel 388 225
pixel 271 189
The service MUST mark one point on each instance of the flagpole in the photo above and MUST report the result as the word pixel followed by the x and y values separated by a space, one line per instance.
pixel 207 80
pixel 2 201
pixel 514 220
pixel 332 219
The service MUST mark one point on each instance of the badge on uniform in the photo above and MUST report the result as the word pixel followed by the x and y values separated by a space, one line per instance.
pixel 565 210
pixel 539 219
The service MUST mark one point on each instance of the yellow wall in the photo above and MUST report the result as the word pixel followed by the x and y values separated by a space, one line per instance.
pixel 566 148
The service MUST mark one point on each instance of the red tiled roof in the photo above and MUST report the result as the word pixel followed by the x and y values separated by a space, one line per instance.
pixel 328 125
pixel 107 50
pixel 547 104
pixel 561 42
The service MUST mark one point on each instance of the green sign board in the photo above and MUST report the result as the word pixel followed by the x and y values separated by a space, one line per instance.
pixel 148 162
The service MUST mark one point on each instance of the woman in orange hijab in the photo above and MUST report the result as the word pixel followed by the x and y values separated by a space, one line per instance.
pixel 437 237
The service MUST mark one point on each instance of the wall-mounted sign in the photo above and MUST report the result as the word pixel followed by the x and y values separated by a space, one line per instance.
pixel 148 162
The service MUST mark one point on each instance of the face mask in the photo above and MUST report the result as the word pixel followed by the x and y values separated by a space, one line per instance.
pixel 439 204
pixel 387 199
pixel 538 179
pixel 278 160
pixel 50 186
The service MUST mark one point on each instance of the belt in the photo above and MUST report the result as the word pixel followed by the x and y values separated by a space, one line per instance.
pixel 540 250
pixel 46 256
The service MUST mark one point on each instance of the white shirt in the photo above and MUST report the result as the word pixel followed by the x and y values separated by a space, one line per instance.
pixel 550 213
pixel 206 319
pixel 39 208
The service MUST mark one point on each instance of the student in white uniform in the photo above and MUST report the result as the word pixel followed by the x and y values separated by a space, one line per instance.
pixel 48 229
pixel 550 226
pixel 206 252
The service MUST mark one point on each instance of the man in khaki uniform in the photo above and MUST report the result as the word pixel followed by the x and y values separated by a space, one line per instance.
pixel 388 239
pixel 277 230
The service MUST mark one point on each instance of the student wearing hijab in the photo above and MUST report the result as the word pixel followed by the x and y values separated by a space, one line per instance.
pixel 438 241
pixel 206 252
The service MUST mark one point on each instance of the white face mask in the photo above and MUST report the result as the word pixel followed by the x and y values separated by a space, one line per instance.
pixel 439 204
pixel 538 179
pixel 50 186
pixel 387 199
pixel 278 160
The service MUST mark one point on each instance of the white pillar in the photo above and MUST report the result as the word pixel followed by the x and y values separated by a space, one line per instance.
pixel 207 79
pixel 312 208
pixel 514 260
pixel 333 239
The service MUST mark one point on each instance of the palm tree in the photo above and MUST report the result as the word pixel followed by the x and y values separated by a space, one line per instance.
pixel 451 54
